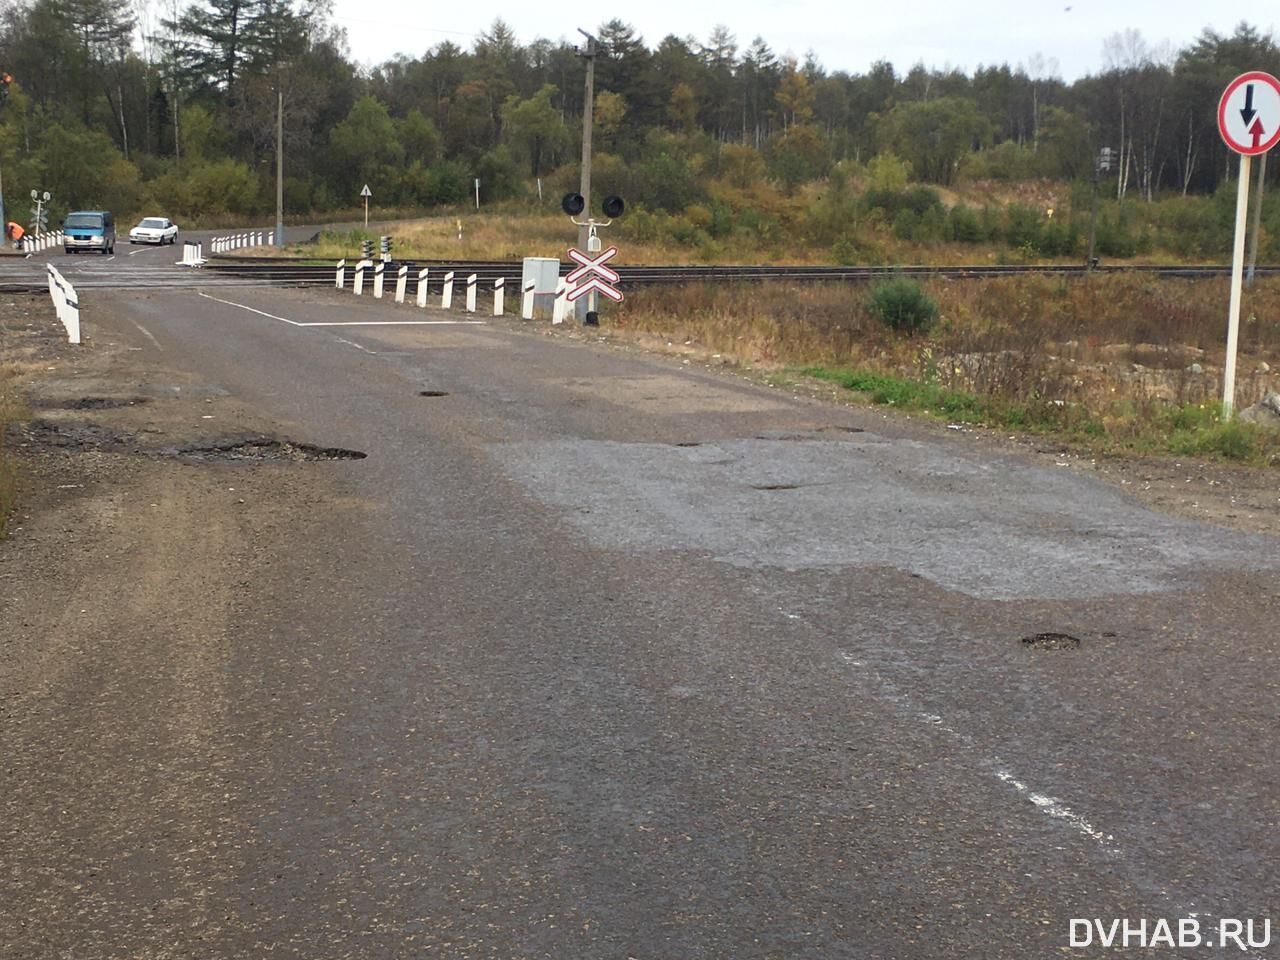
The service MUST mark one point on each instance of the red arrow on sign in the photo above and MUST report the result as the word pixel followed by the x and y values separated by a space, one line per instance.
pixel 1256 131
pixel 590 266
pixel 595 283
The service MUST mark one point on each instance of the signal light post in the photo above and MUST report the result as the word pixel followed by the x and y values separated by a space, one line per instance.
pixel 573 204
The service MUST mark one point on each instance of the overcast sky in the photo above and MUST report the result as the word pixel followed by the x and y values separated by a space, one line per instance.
pixel 845 36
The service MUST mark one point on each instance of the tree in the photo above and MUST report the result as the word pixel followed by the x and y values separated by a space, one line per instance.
pixel 364 148
pixel 535 126
pixel 934 135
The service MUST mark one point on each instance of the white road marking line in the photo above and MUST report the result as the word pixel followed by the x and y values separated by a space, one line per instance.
pixel 347 323
pixel 147 333
pixel 261 313
pixel 397 323
pixel 134 253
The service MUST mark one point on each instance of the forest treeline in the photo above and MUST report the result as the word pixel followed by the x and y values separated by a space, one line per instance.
pixel 171 106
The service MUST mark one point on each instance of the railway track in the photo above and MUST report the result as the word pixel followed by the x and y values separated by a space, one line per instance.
pixel 487 271
pixel 29 276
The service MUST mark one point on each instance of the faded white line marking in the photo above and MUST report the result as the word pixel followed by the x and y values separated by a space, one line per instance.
pixel 134 253
pixel 261 313
pixel 147 333
pixel 1056 808
pixel 352 343
pixel 886 690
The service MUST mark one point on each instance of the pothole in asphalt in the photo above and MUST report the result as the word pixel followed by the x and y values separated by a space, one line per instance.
pixel 262 449
pixel 433 393
pixel 1052 641
pixel 689 443
pixel 775 486
pixel 91 403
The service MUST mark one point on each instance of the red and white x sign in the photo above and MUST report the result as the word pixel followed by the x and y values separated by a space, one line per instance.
pixel 590 266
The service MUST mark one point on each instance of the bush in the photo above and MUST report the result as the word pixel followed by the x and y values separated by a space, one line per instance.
pixel 903 305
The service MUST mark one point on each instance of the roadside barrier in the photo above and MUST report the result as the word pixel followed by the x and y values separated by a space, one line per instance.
pixel 562 302
pixel 254 238
pixel 422 291
pixel 192 254
pixel 65 302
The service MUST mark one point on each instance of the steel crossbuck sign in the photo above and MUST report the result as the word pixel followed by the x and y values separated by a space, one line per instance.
pixel 593 275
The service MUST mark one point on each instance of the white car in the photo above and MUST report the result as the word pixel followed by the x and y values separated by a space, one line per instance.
pixel 157 230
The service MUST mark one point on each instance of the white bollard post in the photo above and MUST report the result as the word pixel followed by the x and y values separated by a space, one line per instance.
pixel 340 274
pixel 446 298
pixel 499 296
pixel 378 269
pixel 357 287
pixel 200 253
pixel 422 287
pixel 71 319
pixel 471 293
pixel 562 300
pixel 526 301
pixel 402 281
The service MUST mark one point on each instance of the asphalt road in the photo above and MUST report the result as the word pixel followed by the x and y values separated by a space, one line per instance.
pixel 600 656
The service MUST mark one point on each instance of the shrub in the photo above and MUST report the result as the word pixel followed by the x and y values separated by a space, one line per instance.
pixel 903 305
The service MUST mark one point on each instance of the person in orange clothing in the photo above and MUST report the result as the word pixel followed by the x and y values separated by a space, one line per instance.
pixel 14 232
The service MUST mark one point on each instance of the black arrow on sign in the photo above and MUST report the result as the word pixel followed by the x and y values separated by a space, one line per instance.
pixel 1248 112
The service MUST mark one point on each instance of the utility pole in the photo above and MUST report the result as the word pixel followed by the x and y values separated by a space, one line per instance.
pixel 1257 221
pixel 279 166
pixel 589 54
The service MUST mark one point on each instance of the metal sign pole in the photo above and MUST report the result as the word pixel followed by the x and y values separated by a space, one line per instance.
pixel 1237 281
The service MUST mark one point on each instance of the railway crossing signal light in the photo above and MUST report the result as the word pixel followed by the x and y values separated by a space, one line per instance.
pixel 573 204
pixel 613 206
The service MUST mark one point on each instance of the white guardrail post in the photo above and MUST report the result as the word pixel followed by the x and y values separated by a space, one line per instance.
pixel 65 302
pixel 402 281
pixel 562 300
pixel 471 293
pixel 340 274
pixel 446 298
pixel 526 301
pixel 422 287
pixel 378 269
pixel 499 296
pixel 358 286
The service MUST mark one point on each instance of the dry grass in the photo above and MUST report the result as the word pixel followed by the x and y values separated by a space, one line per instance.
pixel 1130 360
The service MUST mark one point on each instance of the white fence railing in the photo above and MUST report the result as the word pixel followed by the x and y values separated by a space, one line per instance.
pixel 38 243
pixel 66 302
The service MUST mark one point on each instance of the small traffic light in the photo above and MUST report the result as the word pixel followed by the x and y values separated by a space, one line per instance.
pixel 573 204
pixel 613 206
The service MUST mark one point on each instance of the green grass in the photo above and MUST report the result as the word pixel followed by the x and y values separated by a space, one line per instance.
pixel 1186 430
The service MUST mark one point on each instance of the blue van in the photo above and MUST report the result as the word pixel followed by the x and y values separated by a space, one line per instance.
pixel 89 230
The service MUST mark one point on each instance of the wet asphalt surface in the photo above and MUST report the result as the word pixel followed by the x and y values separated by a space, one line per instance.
pixel 622 659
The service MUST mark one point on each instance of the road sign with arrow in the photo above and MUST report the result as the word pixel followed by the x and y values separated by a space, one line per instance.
pixel 1249 113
